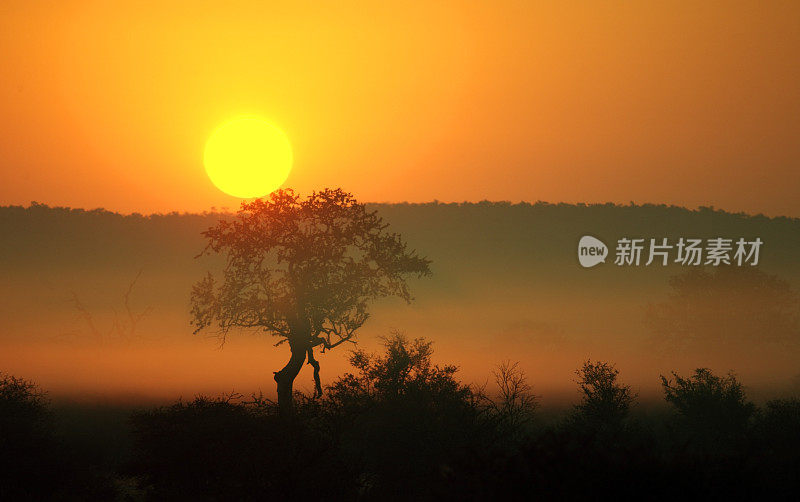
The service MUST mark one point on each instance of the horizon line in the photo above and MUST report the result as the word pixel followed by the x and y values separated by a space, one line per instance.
pixel 224 210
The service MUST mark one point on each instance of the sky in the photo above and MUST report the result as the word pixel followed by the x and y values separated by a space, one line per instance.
pixel 686 103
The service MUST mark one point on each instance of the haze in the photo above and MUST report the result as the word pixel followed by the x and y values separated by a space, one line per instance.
pixel 506 285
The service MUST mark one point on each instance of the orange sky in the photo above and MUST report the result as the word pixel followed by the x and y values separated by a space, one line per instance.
pixel 690 103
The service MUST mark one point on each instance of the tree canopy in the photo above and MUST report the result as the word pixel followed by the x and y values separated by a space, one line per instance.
pixel 303 270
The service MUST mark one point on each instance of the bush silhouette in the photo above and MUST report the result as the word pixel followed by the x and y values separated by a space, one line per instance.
pixel 605 402
pixel 409 424
pixel 597 448
pixel 778 439
pixel 400 427
pixel 26 437
pixel 780 422
pixel 397 427
pixel 23 408
pixel 34 465
pixel 229 449
pixel 713 410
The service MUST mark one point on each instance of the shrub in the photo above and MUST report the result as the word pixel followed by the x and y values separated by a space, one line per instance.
pixel 228 449
pixel 33 463
pixel 714 410
pixel 408 424
pixel 605 402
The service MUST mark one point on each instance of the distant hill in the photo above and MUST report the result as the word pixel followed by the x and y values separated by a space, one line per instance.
pixel 460 238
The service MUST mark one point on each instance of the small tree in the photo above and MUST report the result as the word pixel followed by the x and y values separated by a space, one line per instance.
pixel 404 421
pixel 304 271
pixel 404 371
pixel 515 403
pixel 712 407
pixel 605 401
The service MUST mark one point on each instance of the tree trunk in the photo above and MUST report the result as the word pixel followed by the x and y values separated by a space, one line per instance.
pixel 315 364
pixel 285 378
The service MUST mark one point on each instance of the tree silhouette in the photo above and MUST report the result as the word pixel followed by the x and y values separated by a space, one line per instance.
pixel 123 328
pixel 513 407
pixel 728 308
pixel 405 421
pixel 304 271
pixel 714 409
pixel 605 401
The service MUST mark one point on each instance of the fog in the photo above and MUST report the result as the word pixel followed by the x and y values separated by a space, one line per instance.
pixel 95 305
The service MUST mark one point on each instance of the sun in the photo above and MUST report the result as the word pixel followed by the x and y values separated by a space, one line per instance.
pixel 248 157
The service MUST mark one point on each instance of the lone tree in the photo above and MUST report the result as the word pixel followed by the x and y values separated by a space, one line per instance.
pixel 304 271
